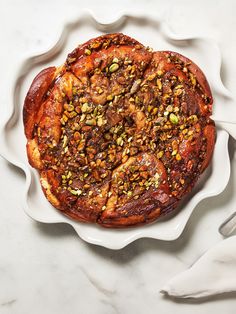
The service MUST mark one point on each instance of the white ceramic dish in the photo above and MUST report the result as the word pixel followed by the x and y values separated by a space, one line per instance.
pixel 151 32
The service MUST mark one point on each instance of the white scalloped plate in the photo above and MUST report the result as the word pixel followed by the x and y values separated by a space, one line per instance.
pixel 152 32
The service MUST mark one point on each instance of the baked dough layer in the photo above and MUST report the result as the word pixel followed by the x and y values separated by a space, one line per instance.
pixel 119 134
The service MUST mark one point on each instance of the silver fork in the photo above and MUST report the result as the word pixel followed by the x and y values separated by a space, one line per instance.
pixel 228 226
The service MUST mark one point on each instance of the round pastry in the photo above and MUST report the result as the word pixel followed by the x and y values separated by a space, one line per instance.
pixel 119 134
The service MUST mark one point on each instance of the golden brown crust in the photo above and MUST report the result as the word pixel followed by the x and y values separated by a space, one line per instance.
pixel 119 133
pixel 34 97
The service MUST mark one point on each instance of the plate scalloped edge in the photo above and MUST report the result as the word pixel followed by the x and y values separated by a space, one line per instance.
pixel 133 234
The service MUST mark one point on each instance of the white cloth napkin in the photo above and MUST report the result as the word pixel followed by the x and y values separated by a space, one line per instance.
pixel 214 273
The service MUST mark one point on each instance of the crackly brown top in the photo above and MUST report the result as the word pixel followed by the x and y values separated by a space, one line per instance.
pixel 119 133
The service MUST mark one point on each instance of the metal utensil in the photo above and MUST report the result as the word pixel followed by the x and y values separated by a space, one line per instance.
pixel 228 226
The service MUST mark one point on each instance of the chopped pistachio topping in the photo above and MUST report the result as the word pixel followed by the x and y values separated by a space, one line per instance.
pixel 109 121
pixel 159 84
pixel 173 118
pixel 75 192
pixel 115 60
pixel 114 67
pixel 87 52
pixel 91 122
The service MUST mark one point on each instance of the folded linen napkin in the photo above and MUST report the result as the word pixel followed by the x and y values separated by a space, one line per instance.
pixel 214 273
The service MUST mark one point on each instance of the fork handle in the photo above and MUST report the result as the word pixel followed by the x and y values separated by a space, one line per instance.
pixel 228 226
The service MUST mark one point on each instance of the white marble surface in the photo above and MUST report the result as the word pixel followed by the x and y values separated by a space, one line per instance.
pixel 47 268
